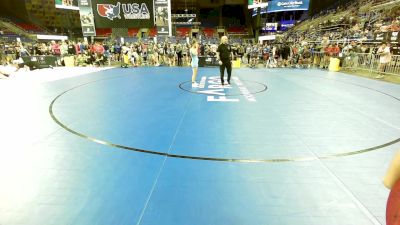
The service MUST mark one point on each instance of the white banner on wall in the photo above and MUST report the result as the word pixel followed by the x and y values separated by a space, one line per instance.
pixel 266 38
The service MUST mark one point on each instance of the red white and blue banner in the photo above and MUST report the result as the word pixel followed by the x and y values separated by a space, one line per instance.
pixel 123 13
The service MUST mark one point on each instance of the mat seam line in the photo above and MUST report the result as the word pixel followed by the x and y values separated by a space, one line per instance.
pixel 163 163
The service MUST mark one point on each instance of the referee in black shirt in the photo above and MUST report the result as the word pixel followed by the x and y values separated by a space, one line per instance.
pixel 224 56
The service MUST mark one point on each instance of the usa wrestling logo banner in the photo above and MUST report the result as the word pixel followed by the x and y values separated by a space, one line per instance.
pixel 124 13
pixel 109 11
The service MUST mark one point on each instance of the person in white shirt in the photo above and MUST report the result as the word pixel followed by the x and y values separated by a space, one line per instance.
pixel 384 58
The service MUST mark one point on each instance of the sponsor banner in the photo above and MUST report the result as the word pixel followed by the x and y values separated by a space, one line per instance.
pixel 254 13
pixel 394 36
pixel 162 9
pixel 88 31
pixel 257 3
pixel 67 4
pixel 381 37
pixel 387 36
pixel 51 37
pixel 263 10
pixel 270 27
pixel 87 18
pixel 123 13
pixel 287 24
pixel 266 38
pixel 287 5
pixel 396 50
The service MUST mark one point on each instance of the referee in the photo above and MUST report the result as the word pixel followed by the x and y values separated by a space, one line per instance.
pixel 224 56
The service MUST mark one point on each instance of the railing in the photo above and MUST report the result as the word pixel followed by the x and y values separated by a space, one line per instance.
pixel 360 61
pixel 383 4
pixel 372 63
pixel 16 29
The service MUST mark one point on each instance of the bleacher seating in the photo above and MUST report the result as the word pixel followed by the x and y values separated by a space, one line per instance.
pixel 5 31
pixel 31 28
pixel 358 20
pixel 152 32
pixel 103 32
pixel 183 31
pixel 132 32
pixel 131 39
pixel 209 32
pixel 237 31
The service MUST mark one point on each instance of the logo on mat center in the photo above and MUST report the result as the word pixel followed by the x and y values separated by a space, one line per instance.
pixel 211 86
pixel 109 11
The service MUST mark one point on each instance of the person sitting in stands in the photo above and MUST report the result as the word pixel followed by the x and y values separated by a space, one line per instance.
pixel 90 59
pixel 100 60
pixel 305 58
pixel 81 60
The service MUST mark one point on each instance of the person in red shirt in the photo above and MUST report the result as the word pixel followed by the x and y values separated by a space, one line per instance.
pixel 335 50
pixel 327 57
pixel 55 48
pixel 98 50
pixel 78 48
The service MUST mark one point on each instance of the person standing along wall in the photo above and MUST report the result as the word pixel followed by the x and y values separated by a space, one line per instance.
pixel 384 59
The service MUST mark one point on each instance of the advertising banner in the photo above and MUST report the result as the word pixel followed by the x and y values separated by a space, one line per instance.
pixel 67 4
pixel 123 13
pixel 287 5
pixel 381 37
pixel 271 27
pixel 287 24
pixel 257 3
pixel 163 17
pixel 395 36
pixel 387 36
pixel 266 38
pixel 263 10
pixel 87 18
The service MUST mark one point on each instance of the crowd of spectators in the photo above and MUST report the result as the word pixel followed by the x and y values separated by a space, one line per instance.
pixel 347 22
pixel 268 54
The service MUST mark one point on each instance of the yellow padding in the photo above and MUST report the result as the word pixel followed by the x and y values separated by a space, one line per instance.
pixel 334 65
pixel 69 61
pixel 236 63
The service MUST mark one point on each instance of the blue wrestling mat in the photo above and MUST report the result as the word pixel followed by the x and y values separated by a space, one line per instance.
pixel 141 146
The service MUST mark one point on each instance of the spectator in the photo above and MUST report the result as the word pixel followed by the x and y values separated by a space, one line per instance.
pixel 384 58
pixel 55 48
